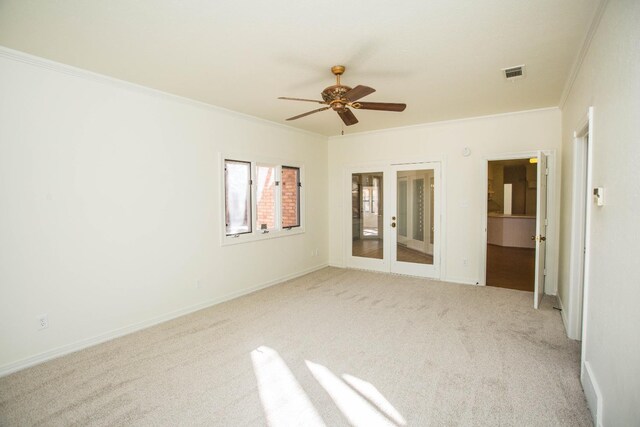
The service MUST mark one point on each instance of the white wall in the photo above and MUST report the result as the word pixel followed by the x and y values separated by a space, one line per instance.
pixel 109 207
pixel 609 80
pixel 464 189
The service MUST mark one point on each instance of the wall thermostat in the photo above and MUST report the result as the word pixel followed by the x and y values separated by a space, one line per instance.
pixel 598 196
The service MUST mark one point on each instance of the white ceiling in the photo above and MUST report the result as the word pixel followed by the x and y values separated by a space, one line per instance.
pixel 440 57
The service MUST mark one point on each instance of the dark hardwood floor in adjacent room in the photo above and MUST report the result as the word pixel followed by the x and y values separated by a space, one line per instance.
pixel 512 268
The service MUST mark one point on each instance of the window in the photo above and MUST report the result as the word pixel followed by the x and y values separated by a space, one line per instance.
pixel 261 200
pixel 266 197
pixel 237 196
pixel 290 197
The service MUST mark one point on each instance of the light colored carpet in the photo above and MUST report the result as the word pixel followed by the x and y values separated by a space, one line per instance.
pixel 334 347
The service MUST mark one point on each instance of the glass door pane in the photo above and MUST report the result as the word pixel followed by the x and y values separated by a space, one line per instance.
pixel 367 232
pixel 414 242
pixel 402 209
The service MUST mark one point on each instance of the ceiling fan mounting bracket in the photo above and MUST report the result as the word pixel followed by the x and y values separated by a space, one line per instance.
pixel 338 70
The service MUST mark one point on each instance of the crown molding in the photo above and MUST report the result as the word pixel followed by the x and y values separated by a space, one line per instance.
pixel 36 61
pixel 444 122
pixel 586 43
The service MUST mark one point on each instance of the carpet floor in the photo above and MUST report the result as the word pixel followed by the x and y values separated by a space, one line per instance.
pixel 334 347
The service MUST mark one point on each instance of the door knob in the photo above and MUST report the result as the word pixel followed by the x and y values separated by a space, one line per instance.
pixel 393 225
pixel 542 238
pixel 533 237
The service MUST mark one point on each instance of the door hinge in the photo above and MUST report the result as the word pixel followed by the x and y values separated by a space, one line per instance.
pixel 544 272
pixel 546 171
pixel 546 221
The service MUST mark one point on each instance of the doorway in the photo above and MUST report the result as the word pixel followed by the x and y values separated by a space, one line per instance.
pixel 394 212
pixel 510 222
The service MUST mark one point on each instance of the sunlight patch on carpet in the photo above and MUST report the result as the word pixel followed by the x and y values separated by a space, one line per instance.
pixel 356 408
pixel 282 397
pixel 373 395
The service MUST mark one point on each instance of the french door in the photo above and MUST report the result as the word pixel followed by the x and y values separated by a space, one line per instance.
pixel 393 219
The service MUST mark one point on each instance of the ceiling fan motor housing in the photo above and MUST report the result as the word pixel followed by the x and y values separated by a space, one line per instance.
pixel 335 96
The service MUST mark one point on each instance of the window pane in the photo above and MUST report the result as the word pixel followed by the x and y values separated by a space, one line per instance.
pixel 367 212
pixel 237 187
pixel 290 197
pixel 266 198
pixel 402 208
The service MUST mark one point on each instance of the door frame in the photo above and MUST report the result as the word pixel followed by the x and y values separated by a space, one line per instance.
pixel 551 257
pixel 580 228
pixel 384 265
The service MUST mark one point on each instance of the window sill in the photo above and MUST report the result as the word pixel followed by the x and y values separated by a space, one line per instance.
pixel 256 237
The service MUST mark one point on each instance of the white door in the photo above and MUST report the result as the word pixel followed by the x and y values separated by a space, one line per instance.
pixel 365 244
pixel 393 219
pixel 541 229
pixel 413 206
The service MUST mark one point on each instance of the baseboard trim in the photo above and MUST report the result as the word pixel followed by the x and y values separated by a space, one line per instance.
pixel 460 281
pixel 116 333
pixel 563 314
pixel 592 393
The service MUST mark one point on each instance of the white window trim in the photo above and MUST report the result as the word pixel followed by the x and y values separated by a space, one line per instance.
pixel 257 234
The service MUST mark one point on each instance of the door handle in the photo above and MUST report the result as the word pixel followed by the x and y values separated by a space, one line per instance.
pixel 393 225
pixel 539 238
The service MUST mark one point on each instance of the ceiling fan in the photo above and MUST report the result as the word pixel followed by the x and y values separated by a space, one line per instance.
pixel 339 98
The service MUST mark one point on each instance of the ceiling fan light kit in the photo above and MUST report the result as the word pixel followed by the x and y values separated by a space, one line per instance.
pixel 340 98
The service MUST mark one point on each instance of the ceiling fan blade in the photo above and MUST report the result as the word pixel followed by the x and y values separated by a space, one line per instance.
pixel 348 117
pixel 308 112
pixel 380 106
pixel 301 99
pixel 358 92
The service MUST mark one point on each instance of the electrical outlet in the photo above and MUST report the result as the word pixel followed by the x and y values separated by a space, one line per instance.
pixel 316 253
pixel 198 284
pixel 43 322
pixel 465 262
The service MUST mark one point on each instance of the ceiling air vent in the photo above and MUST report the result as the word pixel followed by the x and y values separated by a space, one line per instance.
pixel 514 73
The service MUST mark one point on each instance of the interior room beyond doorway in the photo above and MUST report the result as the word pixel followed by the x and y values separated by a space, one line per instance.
pixel 511 222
